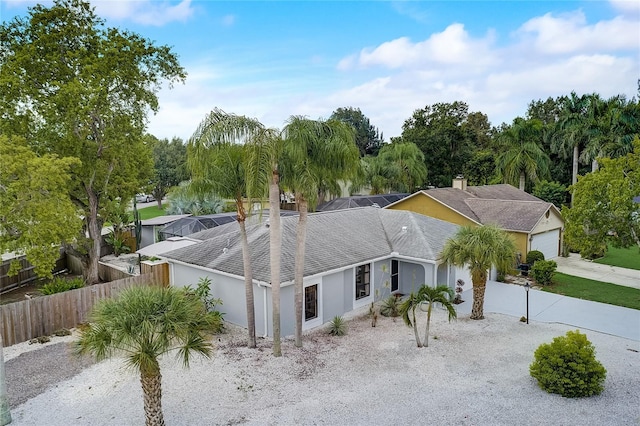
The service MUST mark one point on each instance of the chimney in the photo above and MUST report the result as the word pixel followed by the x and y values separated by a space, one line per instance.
pixel 459 182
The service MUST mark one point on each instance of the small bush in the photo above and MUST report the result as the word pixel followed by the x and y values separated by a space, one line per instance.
pixel 59 285
pixel 543 270
pixel 533 256
pixel 390 307
pixel 62 332
pixel 568 366
pixel 337 326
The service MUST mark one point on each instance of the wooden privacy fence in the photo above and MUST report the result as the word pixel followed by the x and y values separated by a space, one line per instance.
pixel 42 316
pixel 26 273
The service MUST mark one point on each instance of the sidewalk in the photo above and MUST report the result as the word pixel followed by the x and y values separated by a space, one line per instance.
pixel 576 266
pixel 511 299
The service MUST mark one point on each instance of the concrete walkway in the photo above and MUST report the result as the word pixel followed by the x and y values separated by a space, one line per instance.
pixel 578 267
pixel 511 299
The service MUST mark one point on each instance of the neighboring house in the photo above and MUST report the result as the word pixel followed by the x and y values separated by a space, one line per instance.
pixel 151 228
pixel 169 244
pixel 353 258
pixel 533 223
pixel 379 200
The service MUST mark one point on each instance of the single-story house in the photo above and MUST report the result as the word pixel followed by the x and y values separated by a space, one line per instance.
pixel 151 228
pixel 353 258
pixel 534 224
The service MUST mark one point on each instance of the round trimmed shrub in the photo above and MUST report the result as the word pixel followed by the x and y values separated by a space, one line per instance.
pixel 542 271
pixel 568 366
pixel 533 256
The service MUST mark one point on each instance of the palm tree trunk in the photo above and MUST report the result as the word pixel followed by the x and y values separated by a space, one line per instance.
pixel 248 280
pixel 426 334
pixel 152 391
pixel 275 243
pixel 301 237
pixel 415 328
pixel 522 181
pixel 574 172
pixel 479 280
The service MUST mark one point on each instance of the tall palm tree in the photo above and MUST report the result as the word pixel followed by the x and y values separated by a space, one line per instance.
pixel 217 157
pixel 431 296
pixel 263 158
pixel 571 133
pixel 479 248
pixel 144 323
pixel 521 155
pixel 405 165
pixel 316 151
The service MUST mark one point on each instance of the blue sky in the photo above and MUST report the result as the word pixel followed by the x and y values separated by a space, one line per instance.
pixel 274 59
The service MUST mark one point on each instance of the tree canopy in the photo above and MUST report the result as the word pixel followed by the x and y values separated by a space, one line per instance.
pixel 604 210
pixel 73 87
pixel 368 139
pixel 36 215
pixel 170 165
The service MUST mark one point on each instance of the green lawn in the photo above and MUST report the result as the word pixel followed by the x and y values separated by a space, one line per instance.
pixel 597 291
pixel 152 211
pixel 624 258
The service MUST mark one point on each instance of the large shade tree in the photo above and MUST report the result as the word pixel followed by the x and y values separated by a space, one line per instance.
pixel 605 208
pixel 217 158
pixel 314 151
pixel 36 215
pixel 169 164
pixel 144 324
pixel 73 87
pixel 367 137
pixel 480 248
pixel 520 153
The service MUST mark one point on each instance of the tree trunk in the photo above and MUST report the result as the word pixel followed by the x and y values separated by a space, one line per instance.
pixel 275 243
pixel 248 277
pixel 301 237
pixel 152 391
pixel 415 328
pixel 574 172
pixel 479 279
pixel 522 181
pixel 94 228
pixel 426 334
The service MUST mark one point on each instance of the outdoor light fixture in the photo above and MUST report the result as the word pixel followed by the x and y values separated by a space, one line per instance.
pixel 526 288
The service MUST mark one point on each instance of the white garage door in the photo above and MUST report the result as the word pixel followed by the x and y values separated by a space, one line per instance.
pixel 547 243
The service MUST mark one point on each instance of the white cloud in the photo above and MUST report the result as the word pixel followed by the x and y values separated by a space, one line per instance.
pixel 452 46
pixel 569 33
pixel 228 20
pixel 626 5
pixel 146 12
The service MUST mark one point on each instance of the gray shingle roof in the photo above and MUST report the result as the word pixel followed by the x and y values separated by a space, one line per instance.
pixel 335 240
pixel 502 205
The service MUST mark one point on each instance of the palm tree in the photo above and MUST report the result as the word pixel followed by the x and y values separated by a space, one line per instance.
pixel 144 323
pixel 520 155
pixel 217 157
pixel 263 163
pixel 571 132
pixel 480 248
pixel 404 163
pixel 409 306
pixel 440 295
pixel 318 154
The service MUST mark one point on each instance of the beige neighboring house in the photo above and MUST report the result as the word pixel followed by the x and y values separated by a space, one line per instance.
pixel 533 223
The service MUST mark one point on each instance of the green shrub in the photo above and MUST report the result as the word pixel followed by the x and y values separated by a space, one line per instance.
pixel 390 307
pixel 203 292
pixel 568 366
pixel 543 270
pixel 59 285
pixel 337 326
pixel 533 256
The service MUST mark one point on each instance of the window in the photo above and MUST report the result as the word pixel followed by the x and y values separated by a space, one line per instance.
pixel 394 275
pixel 311 302
pixel 363 281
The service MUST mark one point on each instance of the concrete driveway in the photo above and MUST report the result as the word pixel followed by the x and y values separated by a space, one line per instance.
pixel 511 299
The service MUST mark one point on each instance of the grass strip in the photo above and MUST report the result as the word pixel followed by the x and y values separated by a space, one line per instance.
pixel 597 291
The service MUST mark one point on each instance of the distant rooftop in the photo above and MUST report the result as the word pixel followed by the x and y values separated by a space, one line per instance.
pixel 380 200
